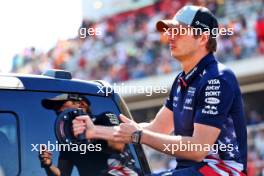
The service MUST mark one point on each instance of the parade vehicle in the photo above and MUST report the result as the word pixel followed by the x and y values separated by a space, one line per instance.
pixel 25 123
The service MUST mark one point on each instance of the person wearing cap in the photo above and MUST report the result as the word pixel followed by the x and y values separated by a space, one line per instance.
pixel 64 101
pixel 204 107
pixel 92 163
pixel 68 159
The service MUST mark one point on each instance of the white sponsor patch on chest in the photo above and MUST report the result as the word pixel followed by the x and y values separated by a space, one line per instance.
pixel 212 100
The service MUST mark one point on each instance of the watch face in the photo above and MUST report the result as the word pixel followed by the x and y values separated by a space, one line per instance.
pixel 135 137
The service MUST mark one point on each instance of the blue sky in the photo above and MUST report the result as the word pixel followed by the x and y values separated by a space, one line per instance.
pixel 38 23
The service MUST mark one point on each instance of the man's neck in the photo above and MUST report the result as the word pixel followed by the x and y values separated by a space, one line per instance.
pixel 189 63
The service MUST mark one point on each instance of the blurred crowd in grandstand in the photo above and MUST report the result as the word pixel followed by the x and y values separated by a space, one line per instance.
pixel 129 47
pixel 256 150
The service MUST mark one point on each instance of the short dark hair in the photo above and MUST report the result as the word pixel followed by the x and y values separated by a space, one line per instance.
pixel 211 45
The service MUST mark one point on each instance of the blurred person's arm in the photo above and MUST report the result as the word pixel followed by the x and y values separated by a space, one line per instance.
pixel 64 167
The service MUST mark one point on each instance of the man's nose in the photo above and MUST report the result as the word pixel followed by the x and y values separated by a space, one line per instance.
pixel 172 39
pixel 172 36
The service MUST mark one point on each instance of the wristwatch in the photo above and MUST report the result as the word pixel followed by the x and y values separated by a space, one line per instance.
pixel 136 136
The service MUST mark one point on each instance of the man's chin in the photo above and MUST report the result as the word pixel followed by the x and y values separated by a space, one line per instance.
pixel 174 54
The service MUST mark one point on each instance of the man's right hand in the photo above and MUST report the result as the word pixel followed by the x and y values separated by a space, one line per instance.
pixel 83 124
